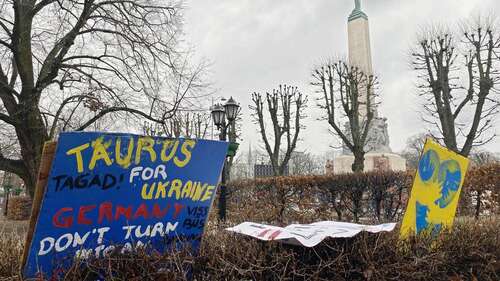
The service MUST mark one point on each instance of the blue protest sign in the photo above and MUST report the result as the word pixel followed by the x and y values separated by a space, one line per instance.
pixel 108 190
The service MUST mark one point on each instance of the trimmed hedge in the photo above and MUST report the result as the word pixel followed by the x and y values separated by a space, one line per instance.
pixel 369 197
pixel 481 193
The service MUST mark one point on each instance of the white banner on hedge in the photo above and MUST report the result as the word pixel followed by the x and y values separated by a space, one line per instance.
pixel 308 235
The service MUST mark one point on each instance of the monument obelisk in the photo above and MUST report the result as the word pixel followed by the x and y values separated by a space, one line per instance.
pixel 379 155
pixel 360 53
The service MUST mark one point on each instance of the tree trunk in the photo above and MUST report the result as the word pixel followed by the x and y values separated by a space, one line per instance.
pixel 378 205
pixel 32 136
pixel 478 205
pixel 359 162
pixel 223 194
pixel 357 197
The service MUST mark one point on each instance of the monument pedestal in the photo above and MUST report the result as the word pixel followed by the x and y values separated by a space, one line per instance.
pixel 373 162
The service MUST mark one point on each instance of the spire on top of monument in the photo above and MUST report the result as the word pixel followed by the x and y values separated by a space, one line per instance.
pixel 357 12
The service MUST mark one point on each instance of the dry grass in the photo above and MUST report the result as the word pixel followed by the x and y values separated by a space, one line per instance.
pixel 471 251
pixel 11 247
pixel 13 227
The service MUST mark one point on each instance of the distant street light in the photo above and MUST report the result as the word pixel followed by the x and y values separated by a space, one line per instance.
pixel 231 108
pixel 220 113
pixel 152 129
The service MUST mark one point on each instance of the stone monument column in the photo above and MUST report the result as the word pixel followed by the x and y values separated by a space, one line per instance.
pixel 360 54
pixel 379 155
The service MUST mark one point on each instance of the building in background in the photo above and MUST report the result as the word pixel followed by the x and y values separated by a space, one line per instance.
pixel 266 170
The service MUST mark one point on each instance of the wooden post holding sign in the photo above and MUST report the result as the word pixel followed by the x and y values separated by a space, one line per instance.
pixel 436 190
pixel 99 192
pixel 48 152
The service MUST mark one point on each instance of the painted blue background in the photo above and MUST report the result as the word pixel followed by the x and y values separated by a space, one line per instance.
pixel 205 165
pixel 447 175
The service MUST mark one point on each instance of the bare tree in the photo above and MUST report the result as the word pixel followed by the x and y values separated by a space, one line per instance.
pixel 347 92
pixel 65 65
pixel 459 79
pixel 239 168
pixel 482 158
pixel 414 147
pixel 305 163
pixel 285 106
pixel 188 125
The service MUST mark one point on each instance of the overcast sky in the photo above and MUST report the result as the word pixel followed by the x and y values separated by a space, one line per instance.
pixel 254 45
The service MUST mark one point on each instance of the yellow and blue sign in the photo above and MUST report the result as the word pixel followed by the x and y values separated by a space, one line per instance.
pixel 115 192
pixel 436 190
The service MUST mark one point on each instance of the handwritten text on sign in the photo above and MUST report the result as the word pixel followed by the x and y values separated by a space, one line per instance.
pixel 118 189
pixel 308 235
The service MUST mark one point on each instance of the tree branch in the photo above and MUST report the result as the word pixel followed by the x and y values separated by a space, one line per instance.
pixel 12 165
pixel 51 64
pixel 117 109
pixel 40 5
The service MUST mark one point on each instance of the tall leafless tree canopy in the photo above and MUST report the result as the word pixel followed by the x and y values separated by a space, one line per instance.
pixel 285 107
pixel 66 64
pixel 414 147
pixel 346 93
pixel 459 79
pixel 192 125
pixel 306 163
pixel 482 158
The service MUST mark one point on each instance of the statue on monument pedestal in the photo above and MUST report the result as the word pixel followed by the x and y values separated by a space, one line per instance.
pixel 377 140
pixel 378 136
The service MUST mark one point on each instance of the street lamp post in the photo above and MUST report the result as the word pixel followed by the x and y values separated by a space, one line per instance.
pixel 152 129
pixel 220 113
pixel 6 192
